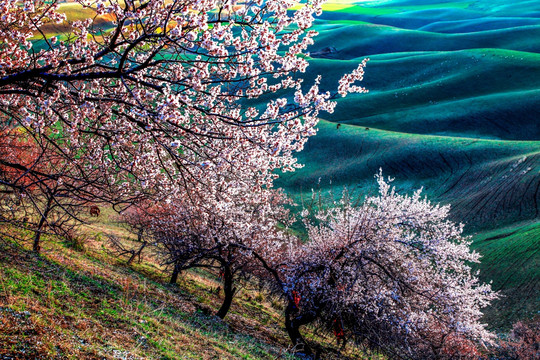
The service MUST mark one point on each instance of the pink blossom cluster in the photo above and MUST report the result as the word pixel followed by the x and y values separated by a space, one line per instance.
pixel 346 82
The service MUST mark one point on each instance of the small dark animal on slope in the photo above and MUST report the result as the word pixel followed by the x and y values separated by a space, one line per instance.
pixel 94 211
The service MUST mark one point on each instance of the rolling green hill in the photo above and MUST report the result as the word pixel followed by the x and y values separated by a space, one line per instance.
pixel 454 107
pixel 474 93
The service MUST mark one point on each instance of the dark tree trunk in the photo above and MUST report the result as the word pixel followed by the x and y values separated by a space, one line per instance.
pixel 138 252
pixel 294 319
pixel 228 290
pixel 292 325
pixel 174 275
pixel 36 246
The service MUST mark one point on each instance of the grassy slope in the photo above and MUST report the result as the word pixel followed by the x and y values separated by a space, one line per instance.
pixel 480 178
pixel 511 258
pixel 473 93
pixel 87 304
pixel 467 71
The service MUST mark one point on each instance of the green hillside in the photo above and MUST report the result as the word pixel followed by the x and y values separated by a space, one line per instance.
pixel 474 93
pixel 511 260
pixel 453 107
pixel 88 304
pixel 481 179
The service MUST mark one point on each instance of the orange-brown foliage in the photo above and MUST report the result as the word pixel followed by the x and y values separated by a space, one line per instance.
pixel 17 148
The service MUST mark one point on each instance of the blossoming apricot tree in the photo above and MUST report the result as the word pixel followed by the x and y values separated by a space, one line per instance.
pixel 164 97
pixel 167 84
pixel 394 274
pixel 225 238
pixel 39 190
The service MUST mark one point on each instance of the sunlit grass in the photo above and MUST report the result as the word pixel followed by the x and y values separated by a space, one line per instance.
pixel 88 304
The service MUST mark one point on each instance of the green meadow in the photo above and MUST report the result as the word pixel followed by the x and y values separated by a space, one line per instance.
pixel 453 107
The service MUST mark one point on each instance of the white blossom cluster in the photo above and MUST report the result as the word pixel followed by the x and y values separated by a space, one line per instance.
pixel 163 100
pixel 396 272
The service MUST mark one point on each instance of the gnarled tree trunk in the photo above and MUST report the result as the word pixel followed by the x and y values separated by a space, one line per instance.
pixel 292 325
pixel 228 291
pixel 138 252
pixel 36 245
pixel 174 275
pixel 294 319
